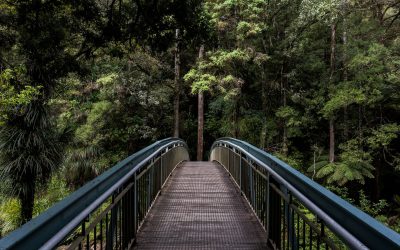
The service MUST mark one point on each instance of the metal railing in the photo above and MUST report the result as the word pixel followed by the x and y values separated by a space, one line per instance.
pixel 107 212
pixel 296 212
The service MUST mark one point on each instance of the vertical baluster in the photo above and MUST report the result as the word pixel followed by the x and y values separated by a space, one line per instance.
pixel 319 238
pixel 83 234
pixel 101 233
pixel 322 231
pixel 251 186
pixel 240 172
pixel 304 234
pixel 229 162
pixel 106 229
pixel 95 237
pixel 267 203
pixel 161 172
pixel 311 237
pixel 283 223
pixel 135 206
pixel 298 230
pixel 119 224
pixel 293 228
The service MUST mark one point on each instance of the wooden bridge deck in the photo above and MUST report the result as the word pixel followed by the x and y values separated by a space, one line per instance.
pixel 201 208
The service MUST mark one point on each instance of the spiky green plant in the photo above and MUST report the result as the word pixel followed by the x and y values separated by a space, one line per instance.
pixel 80 166
pixel 30 150
pixel 353 164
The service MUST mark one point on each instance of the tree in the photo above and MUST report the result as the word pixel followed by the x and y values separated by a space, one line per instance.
pixel 200 119
pixel 31 146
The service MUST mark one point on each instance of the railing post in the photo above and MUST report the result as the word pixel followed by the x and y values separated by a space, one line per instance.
pixel 229 160
pixel 251 182
pixel 149 187
pixel 124 219
pixel 111 227
pixel 161 171
pixel 275 219
pixel 290 223
pixel 135 206
pixel 219 154
pixel 240 171
pixel 267 201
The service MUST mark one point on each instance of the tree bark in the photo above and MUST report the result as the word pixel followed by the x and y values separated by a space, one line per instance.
pixel 332 70
pixel 331 141
pixel 200 119
pixel 264 102
pixel 345 72
pixel 27 199
pixel 285 147
pixel 235 119
pixel 177 91
pixel 377 178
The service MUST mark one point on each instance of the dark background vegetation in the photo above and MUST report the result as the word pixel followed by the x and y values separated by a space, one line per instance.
pixel 85 83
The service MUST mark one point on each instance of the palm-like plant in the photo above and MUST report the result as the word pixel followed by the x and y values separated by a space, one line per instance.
pixel 80 166
pixel 30 150
pixel 343 172
pixel 353 164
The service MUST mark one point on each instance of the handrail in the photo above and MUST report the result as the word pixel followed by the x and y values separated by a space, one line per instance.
pixel 53 225
pixel 355 227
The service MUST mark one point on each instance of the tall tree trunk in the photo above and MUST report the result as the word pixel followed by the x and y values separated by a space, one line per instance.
pixel 332 70
pixel 345 72
pixel 27 199
pixel 200 119
pixel 285 148
pixel 235 119
pixel 264 104
pixel 377 177
pixel 331 140
pixel 177 84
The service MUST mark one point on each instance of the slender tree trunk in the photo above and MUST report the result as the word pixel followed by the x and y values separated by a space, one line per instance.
pixel 377 178
pixel 264 104
pixel 345 125
pixel 200 119
pixel 284 102
pixel 177 83
pixel 235 119
pixel 332 70
pixel 27 199
pixel 331 141
pixel 345 72
pixel 360 132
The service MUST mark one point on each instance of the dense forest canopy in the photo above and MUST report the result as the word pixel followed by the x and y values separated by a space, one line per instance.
pixel 85 83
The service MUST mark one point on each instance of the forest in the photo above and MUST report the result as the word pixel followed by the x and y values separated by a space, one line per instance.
pixel 86 83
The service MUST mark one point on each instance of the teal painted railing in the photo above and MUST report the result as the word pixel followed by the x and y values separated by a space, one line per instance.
pixel 107 211
pixel 296 211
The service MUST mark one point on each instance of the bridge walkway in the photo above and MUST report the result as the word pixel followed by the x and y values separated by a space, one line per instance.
pixel 201 208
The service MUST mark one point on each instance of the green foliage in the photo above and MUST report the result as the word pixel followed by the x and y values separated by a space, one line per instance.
pixel 342 98
pixel 383 136
pixel 55 191
pixel 353 164
pixel 294 160
pixel 9 215
pixel 81 166
pixel 10 208
pixel 374 209
pixel 95 122
pixel 217 71
pixel 104 72
pixel 15 94
pixel 293 120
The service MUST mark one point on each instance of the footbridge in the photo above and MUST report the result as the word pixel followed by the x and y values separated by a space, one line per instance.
pixel 242 198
